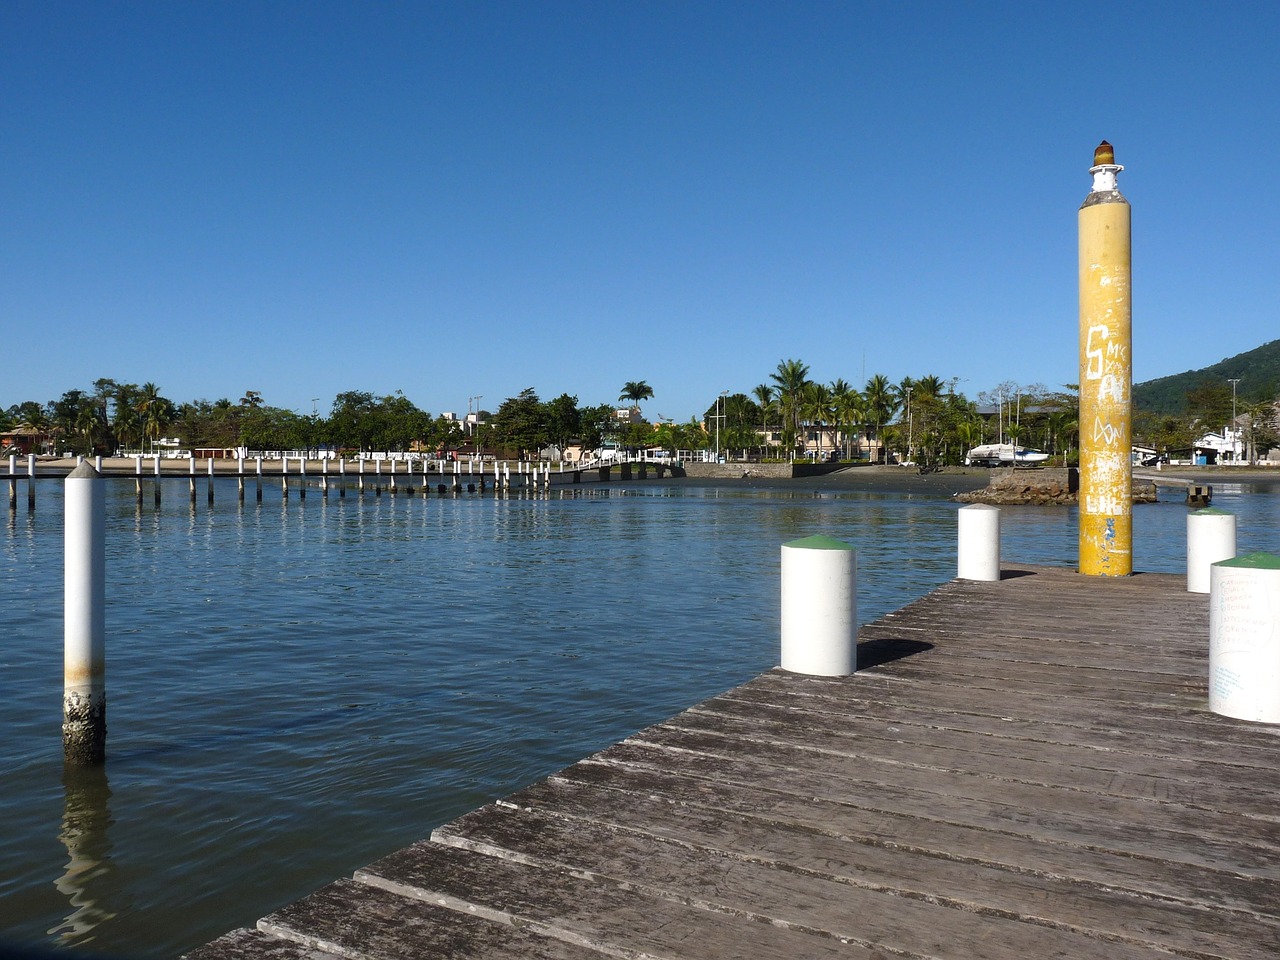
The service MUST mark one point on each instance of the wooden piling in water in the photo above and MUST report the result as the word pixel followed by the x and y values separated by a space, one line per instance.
pixel 84 703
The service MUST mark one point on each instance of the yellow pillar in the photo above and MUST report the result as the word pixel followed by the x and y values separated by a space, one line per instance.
pixel 1106 376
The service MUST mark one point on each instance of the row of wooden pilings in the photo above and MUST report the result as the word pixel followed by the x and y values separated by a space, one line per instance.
pixel 528 475
pixel 819 606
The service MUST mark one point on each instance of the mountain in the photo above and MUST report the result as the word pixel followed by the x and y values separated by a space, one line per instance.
pixel 1258 371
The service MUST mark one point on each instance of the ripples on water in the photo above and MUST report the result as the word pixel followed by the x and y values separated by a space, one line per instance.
pixel 298 687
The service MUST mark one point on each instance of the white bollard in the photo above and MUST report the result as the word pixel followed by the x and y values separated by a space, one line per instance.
pixel 1244 638
pixel 97 463
pixel 978 552
pixel 84 700
pixel 819 607
pixel 1211 536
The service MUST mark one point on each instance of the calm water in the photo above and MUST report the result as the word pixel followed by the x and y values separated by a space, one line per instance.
pixel 298 687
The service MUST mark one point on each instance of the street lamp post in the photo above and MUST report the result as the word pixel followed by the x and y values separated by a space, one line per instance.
pixel 719 417
pixel 910 428
pixel 1235 443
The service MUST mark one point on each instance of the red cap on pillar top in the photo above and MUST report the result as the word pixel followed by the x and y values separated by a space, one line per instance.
pixel 1104 154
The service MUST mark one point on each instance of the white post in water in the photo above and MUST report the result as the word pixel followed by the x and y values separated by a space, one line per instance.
pixel 978 554
pixel 84 698
pixel 31 481
pixel 819 607
pixel 1244 638
pixel 1211 536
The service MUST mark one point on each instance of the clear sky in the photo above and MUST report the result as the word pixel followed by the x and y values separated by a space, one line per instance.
pixel 472 198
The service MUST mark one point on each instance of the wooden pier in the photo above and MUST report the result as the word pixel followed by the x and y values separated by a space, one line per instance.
pixel 1020 769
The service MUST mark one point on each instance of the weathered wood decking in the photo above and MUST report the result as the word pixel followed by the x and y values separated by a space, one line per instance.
pixel 1022 769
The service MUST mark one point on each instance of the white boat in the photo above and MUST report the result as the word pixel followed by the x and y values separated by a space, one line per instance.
pixel 1003 455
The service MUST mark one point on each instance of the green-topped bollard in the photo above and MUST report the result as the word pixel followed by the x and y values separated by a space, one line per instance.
pixel 1244 638
pixel 819 607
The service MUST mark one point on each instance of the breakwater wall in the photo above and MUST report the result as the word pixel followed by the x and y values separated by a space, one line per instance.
pixel 759 471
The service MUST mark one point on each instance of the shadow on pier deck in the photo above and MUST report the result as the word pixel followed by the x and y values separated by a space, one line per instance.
pixel 1027 770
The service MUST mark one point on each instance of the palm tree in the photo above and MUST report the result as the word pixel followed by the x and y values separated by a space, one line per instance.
pixel 880 405
pixel 763 394
pixel 789 380
pixel 157 412
pixel 969 433
pixel 127 425
pixel 852 410
pixel 91 424
pixel 817 409
pixel 930 386
pixel 635 391
pixel 840 391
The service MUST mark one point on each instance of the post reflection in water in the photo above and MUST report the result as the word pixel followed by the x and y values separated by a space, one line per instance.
pixel 87 878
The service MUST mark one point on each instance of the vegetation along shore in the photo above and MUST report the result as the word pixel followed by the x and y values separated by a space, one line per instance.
pixel 926 421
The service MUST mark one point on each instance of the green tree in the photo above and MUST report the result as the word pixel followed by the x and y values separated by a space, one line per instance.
pixel 157 412
pixel 789 380
pixel 818 410
pixel 1209 402
pixel 633 391
pixel 881 405
pixel 353 421
pixel 597 425
pixel 767 405
pixel 563 420
pixel 520 423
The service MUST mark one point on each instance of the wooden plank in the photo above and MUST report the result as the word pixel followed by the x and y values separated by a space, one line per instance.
pixel 256 945
pixel 575 792
pixel 1162 831
pixel 734 863
pixel 1043 764
pixel 1178 718
pixel 357 920
pixel 608 915
pixel 1098 750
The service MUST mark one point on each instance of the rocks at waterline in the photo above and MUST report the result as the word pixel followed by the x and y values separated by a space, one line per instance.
pixel 1041 486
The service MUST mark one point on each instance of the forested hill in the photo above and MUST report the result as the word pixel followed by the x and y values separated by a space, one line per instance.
pixel 1258 372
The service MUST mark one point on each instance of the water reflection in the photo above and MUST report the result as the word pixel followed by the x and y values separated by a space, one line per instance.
pixel 87 879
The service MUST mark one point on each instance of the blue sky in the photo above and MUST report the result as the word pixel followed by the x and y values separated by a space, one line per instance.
pixel 462 199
